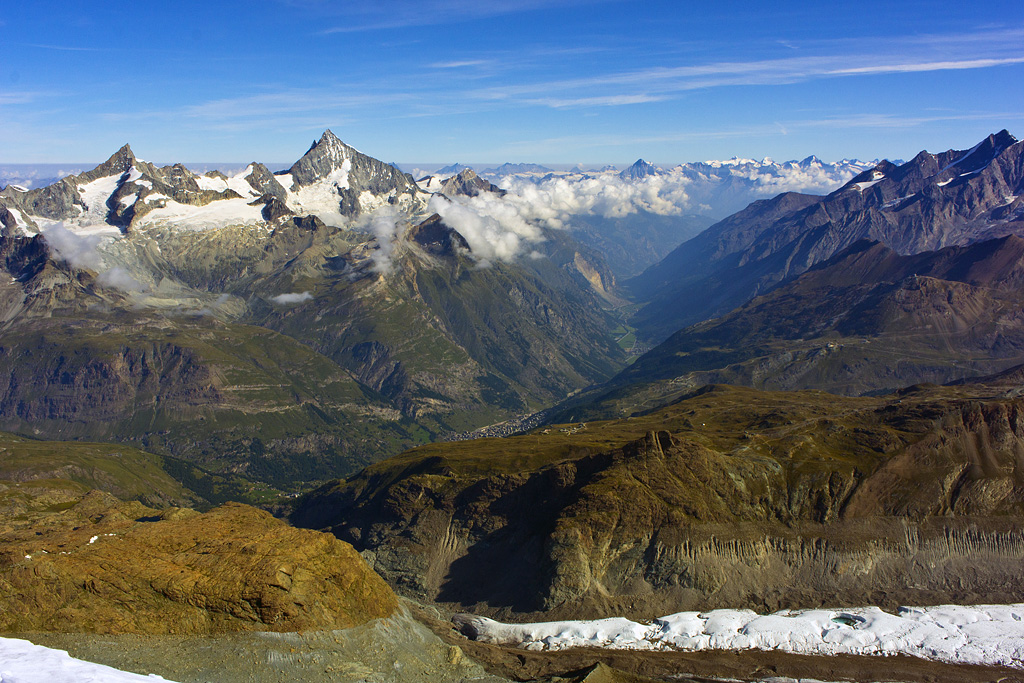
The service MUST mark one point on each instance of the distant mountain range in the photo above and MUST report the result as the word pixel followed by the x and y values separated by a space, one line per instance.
pixel 853 293
pixel 930 202
pixel 286 326
pixel 779 442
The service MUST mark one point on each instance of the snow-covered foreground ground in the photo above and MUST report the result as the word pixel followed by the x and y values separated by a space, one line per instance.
pixel 982 634
pixel 23 662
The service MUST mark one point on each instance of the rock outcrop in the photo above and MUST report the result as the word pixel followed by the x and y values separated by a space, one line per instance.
pixel 104 566
pixel 468 184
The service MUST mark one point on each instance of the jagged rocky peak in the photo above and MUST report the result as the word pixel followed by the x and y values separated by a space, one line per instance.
pixel 324 158
pixel 436 237
pixel 984 152
pixel 469 184
pixel 119 162
pixel 350 172
pixel 63 199
pixel 640 169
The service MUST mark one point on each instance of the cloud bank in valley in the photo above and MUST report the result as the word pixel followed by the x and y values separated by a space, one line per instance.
pixel 501 228
pixel 495 228
pixel 556 199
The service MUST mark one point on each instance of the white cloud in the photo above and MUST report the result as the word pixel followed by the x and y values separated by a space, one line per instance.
pixel 383 225
pixel 503 228
pixel 555 200
pixel 495 228
pixel 79 251
pixel 291 298
pixel 119 278
pixel 459 64
pixel 82 251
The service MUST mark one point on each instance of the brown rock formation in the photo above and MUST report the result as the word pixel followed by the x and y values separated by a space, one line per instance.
pixel 108 567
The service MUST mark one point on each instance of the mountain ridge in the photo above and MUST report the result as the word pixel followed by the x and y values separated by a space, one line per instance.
pixel 927 203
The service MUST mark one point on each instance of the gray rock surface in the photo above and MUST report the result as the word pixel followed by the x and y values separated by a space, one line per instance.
pixel 394 650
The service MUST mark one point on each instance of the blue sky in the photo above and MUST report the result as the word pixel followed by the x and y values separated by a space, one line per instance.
pixel 558 81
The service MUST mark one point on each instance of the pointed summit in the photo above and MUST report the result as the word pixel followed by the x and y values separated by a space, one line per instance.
pixel 640 169
pixel 451 169
pixel 119 162
pixel 437 238
pixel 985 151
pixel 326 157
pixel 347 172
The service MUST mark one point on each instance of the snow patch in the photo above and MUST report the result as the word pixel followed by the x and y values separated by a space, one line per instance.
pixel 866 184
pixel 19 219
pixel 24 662
pixel 94 196
pixel 321 198
pixel 219 214
pixel 286 180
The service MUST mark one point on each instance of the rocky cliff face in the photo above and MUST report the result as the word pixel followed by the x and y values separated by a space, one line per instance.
pixel 236 398
pixel 728 498
pixel 234 568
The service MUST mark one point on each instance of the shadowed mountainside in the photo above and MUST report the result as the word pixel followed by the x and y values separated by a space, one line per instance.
pixel 866 320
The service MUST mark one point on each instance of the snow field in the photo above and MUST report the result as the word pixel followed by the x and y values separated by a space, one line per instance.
pixel 982 634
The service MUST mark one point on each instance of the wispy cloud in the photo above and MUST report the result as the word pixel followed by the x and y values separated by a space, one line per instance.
pixel 63 48
pixel 23 96
pixel 393 14
pixel 597 101
pixel 497 82
pixel 1002 48
pixel 784 127
pixel 927 66
pixel 458 64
